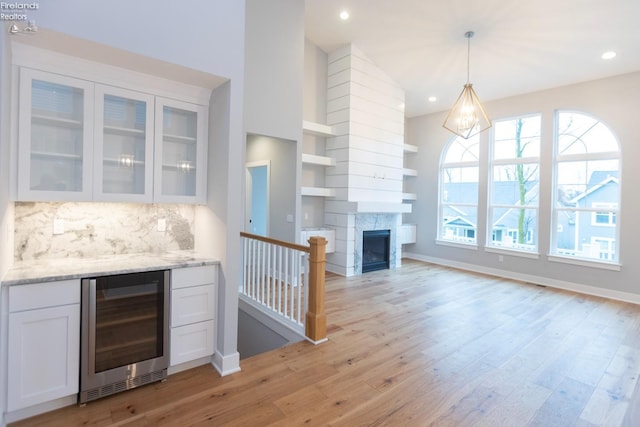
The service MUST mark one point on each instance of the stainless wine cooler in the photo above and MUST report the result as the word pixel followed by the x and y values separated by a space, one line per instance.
pixel 125 332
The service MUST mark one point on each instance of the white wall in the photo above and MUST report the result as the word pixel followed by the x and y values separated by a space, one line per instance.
pixel 6 207
pixel 203 36
pixel 364 109
pixel 614 101
pixel 206 36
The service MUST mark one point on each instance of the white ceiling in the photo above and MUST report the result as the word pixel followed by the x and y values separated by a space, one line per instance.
pixel 519 46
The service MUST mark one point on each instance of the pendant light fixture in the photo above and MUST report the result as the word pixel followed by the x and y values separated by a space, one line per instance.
pixel 467 117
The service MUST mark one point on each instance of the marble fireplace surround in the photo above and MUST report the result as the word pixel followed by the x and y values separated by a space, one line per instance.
pixel 371 222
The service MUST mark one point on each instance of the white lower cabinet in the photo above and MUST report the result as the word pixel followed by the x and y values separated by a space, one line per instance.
pixel 193 308
pixel 44 344
pixel 190 342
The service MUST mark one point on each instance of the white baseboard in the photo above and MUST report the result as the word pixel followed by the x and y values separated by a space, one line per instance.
pixel 226 365
pixel 323 340
pixel 188 365
pixel 41 408
pixel 544 281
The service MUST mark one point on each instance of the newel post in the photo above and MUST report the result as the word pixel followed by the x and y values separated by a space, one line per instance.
pixel 316 319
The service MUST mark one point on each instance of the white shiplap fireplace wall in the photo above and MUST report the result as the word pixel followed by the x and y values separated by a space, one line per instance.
pixel 365 109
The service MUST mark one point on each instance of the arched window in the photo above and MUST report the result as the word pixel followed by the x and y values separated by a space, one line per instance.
pixel 587 189
pixel 458 199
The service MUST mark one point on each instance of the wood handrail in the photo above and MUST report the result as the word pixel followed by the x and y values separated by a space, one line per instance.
pixel 276 242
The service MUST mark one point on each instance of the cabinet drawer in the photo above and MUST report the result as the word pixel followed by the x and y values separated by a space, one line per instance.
pixel 194 276
pixel 191 305
pixel 41 295
pixel 191 342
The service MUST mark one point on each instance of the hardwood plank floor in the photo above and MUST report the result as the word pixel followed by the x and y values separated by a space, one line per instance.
pixel 421 345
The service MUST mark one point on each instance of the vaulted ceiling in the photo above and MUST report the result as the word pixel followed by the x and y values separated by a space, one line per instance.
pixel 518 47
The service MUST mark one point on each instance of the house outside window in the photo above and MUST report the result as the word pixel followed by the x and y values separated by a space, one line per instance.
pixel 604 218
pixel 514 184
pixel 458 195
pixel 586 189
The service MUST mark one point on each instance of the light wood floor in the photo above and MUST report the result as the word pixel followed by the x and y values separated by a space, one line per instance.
pixel 421 345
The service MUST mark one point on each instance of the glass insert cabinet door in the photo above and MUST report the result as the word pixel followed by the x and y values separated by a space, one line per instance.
pixel 54 137
pixel 123 157
pixel 180 152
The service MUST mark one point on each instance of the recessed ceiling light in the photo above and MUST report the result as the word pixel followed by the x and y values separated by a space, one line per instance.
pixel 344 15
pixel 432 99
pixel 609 55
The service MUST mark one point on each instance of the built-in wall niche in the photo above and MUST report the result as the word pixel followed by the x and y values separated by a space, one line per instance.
pixel 314 165
pixel 270 205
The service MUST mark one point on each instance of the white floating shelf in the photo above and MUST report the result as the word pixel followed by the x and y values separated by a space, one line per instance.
pixel 408 148
pixel 409 196
pixel 312 159
pixel 317 191
pixel 317 129
pixel 409 172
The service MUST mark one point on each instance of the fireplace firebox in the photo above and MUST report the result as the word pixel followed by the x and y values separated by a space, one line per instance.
pixel 375 250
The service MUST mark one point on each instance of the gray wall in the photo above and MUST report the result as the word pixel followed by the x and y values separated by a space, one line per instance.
pixel 274 58
pixel 315 83
pixel 314 110
pixel 274 67
pixel 614 101
pixel 282 189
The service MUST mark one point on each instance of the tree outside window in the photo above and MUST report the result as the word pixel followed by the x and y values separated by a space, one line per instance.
pixel 514 184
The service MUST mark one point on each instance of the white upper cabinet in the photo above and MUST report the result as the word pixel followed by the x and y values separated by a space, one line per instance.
pixel 81 141
pixel 123 138
pixel 180 156
pixel 55 137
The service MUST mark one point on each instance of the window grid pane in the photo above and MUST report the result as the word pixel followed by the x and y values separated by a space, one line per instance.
pixel 459 174
pixel 514 184
pixel 587 191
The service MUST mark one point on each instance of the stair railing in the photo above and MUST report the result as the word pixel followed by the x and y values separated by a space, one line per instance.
pixel 286 281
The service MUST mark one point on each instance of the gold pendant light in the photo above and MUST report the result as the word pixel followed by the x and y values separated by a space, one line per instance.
pixel 467 117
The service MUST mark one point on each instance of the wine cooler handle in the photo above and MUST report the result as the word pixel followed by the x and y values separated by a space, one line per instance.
pixel 92 325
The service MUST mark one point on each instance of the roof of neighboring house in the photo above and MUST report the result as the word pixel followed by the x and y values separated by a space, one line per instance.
pixel 598 180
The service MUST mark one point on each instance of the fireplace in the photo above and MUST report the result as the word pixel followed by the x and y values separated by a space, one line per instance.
pixel 375 250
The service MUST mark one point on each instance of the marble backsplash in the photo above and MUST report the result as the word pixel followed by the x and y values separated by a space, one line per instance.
pixel 98 229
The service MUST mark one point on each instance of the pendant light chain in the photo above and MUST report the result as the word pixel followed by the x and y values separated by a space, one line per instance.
pixel 468 35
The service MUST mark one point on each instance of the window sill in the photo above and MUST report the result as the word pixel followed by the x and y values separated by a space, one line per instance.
pixel 512 252
pixel 461 245
pixel 586 262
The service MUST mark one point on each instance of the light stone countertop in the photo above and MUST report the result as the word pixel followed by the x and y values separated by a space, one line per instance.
pixel 24 272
